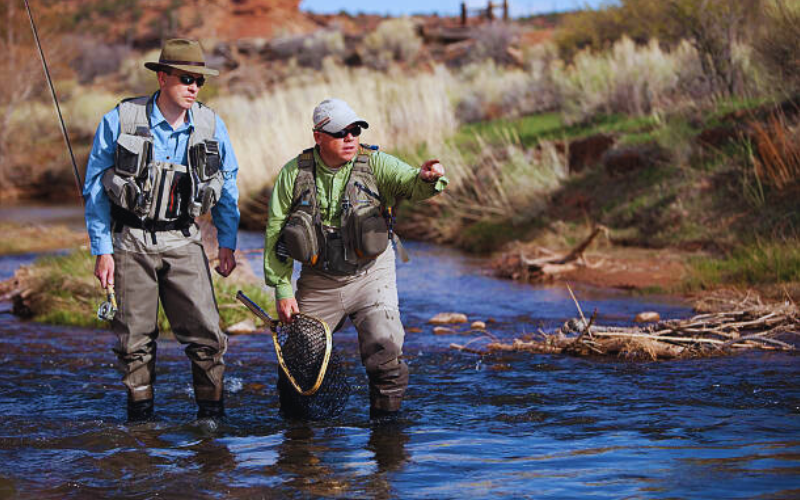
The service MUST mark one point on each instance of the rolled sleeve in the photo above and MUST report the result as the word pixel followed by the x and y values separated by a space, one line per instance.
pixel 226 212
pixel 399 180
pixel 277 272
pixel 97 212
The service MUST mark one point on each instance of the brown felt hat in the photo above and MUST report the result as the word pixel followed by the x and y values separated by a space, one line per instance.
pixel 185 55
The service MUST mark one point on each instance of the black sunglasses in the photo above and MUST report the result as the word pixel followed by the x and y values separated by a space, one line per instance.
pixel 189 79
pixel 354 131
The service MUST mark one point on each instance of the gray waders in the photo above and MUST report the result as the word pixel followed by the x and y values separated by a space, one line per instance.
pixel 369 299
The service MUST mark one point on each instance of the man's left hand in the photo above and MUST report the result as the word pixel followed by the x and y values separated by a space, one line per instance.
pixel 431 170
pixel 227 262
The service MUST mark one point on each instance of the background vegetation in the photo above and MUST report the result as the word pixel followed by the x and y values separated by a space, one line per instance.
pixel 672 122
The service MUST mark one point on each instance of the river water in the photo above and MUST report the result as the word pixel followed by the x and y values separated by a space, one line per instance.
pixel 504 426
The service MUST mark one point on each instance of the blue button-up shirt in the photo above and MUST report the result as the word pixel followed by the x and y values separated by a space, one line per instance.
pixel 168 145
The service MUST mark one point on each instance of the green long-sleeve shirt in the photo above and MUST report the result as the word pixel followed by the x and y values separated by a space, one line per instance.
pixel 395 180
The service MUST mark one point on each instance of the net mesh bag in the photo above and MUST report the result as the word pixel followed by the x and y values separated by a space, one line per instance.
pixel 302 347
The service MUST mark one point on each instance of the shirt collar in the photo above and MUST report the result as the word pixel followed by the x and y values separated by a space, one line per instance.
pixel 156 117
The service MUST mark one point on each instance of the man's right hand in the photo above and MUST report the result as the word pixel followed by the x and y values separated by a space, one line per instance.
pixel 287 308
pixel 104 269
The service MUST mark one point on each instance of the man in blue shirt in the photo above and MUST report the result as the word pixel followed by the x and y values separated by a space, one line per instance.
pixel 157 162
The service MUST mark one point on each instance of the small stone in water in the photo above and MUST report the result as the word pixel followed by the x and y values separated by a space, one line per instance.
pixel 443 330
pixel 448 317
pixel 647 317
pixel 478 325
pixel 242 327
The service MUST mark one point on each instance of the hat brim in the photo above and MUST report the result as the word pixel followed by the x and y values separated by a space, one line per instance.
pixel 333 127
pixel 200 70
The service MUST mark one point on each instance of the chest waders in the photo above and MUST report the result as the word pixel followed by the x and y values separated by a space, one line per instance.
pixel 158 195
pixel 364 233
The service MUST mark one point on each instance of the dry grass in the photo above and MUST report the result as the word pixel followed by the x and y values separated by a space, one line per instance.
pixel 34 238
pixel 627 79
pixel 403 112
pixel 777 148
pixel 505 183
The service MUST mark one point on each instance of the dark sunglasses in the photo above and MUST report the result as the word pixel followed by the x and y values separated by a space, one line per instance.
pixel 189 79
pixel 354 131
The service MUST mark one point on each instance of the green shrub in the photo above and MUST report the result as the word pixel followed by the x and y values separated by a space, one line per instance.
pixel 713 27
pixel 629 79
pixel 309 50
pixel 394 40
pixel 777 44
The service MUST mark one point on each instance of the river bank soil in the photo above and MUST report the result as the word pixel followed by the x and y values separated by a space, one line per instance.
pixel 633 269
pixel 636 270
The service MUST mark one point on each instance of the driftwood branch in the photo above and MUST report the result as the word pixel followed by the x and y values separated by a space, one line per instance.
pixel 752 325
pixel 518 265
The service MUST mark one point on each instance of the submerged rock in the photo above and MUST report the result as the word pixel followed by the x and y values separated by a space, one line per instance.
pixel 647 317
pixel 448 318
pixel 478 325
pixel 443 330
pixel 242 327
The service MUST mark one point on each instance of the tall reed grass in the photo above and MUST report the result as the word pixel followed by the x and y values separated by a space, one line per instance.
pixel 403 112
pixel 777 152
pixel 504 182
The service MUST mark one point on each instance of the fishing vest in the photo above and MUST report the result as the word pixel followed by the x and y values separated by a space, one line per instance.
pixel 364 233
pixel 160 195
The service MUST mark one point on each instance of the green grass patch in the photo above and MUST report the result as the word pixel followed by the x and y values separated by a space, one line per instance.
pixel 754 264
pixel 19 238
pixel 65 292
pixel 732 105
pixel 528 128
pixel 550 126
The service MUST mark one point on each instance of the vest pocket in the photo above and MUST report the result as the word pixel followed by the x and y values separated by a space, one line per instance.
pixel 369 235
pixel 121 191
pixel 133 154
pixel 206 159
pixel 178 196
pixel 300 238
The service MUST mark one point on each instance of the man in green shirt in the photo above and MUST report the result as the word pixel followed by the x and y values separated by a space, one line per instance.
pixel 328 210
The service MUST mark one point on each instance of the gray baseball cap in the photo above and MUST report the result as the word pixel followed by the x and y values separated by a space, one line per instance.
pixel 333 115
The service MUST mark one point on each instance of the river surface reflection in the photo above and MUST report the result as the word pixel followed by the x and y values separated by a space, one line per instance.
pixel 509 425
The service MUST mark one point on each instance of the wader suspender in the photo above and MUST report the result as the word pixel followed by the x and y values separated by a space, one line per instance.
pixel 304 197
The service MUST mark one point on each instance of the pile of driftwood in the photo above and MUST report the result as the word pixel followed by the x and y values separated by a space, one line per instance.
pixel 752 325
pixel 516 266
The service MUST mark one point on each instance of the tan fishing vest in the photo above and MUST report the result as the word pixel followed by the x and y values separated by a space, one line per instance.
pixel 159 195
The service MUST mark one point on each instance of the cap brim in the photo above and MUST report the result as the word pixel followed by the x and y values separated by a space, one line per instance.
pixel 335 126
pixel 200 70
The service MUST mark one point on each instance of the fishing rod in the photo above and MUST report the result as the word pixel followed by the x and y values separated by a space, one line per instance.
pixel 107 309
pixel 55 101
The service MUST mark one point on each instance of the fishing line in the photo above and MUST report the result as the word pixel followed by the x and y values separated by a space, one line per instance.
pixel 55 101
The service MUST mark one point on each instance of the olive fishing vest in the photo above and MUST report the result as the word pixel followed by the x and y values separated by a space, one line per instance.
pixel 364 233
pixel 160 195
